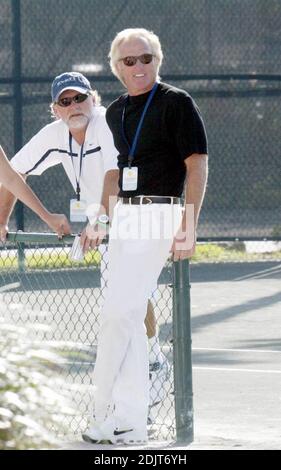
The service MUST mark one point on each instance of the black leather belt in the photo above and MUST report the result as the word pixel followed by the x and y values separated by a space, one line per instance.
pixel 150 200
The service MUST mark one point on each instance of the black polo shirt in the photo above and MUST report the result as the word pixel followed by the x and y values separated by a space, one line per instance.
pixel 172 131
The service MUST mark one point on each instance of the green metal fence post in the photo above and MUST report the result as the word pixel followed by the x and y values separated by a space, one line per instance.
pixel 182 352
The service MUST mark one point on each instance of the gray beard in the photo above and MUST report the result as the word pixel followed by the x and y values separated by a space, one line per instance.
pixel 78 122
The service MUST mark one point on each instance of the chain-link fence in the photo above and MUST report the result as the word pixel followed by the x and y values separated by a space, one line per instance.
pixel 226 54
pixel 44 288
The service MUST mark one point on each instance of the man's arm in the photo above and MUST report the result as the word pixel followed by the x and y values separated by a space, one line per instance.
pixel 7 199
pixel 93 235
pixel 110 191
pixel 14 181
pixel 197 174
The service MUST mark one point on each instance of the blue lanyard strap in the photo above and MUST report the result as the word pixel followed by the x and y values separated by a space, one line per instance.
pixel 80 166
pixel 132 149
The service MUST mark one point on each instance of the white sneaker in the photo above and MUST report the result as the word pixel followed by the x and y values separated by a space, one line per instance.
pixel 132 437
pixel 95 435
pixel 106 432
pixel 159 373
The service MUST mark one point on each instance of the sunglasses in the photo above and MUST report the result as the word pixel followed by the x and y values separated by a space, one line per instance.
pixel 132 59
pixel 65 102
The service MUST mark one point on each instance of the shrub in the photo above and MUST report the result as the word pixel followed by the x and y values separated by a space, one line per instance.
pixel 31 408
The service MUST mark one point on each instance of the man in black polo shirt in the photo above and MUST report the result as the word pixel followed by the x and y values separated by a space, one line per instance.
pixel 160 136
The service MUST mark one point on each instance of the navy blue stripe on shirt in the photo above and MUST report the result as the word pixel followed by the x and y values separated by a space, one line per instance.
pixel 96 149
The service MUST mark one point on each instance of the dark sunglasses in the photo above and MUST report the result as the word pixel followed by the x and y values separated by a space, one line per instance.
pixel 64 102
pixel 132 59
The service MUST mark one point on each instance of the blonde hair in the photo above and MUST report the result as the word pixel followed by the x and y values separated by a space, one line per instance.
pixel 93 93
pixel 134 33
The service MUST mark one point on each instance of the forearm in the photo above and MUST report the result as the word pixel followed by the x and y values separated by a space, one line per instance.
pixel 26 195
pixel 57 222
pixel 23 192
pixel 16 183
pixel 17 189
pixel 7 202
pixel 95 232
pixel 7 199
pixel 110 191
pixel 197 175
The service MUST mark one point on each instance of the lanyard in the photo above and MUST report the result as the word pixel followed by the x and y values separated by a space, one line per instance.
pixel 132 148
pixel 80 167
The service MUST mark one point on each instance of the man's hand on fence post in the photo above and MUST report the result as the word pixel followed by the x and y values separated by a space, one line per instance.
pixel 92 236
pixel 59 224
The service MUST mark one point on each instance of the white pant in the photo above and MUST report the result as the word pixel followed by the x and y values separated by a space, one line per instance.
pixel 121 375
pixel 103 250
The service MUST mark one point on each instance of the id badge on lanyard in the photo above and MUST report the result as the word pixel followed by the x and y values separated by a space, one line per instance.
pixel 78 210
pixel 77 206
pixel 130 173
pixel 130 178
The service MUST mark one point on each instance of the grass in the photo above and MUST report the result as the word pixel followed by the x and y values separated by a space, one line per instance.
pixel 59 259
pixel 216 253
pixel 49 260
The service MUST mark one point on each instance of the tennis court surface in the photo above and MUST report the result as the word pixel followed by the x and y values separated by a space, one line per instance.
pixel 236 323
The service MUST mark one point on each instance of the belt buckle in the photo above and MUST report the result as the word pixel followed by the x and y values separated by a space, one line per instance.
pixel 146 199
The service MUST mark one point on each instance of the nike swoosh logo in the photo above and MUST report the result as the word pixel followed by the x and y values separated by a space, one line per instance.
pixel 117 433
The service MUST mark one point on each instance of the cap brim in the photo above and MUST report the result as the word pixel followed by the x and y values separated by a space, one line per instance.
pixel 76 88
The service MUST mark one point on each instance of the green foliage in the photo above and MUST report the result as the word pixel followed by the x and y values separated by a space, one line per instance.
pixel 47 260
pixel 31 407
pixel 276 231
pixel 215 253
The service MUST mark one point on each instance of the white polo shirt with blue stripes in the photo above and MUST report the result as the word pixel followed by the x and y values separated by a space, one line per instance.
pixel 50 146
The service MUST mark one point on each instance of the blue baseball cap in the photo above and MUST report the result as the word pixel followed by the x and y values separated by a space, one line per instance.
pixel 69 81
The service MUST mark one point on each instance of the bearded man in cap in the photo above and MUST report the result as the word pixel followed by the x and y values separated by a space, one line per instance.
pixel 81 141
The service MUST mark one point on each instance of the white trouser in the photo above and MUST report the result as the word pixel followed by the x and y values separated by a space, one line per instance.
pixel 121 375
pixel 103 250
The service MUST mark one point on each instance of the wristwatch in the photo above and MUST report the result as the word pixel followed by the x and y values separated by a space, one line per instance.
pixel 103 219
